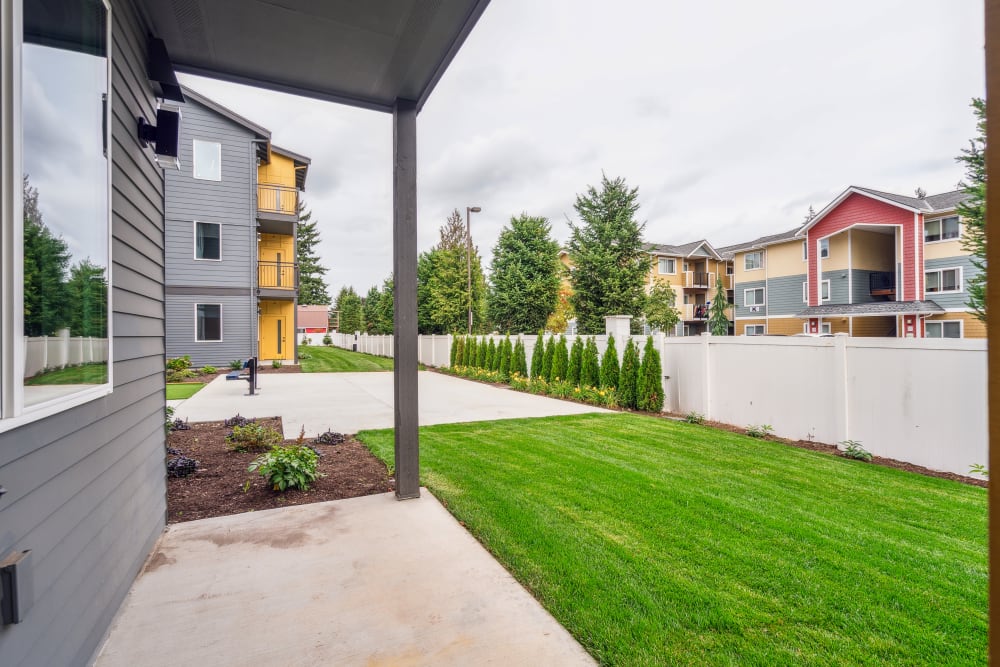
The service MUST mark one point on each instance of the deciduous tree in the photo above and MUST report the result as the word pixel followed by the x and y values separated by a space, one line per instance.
pixel 661 307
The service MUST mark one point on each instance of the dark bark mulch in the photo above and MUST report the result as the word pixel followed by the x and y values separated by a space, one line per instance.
pixel 219 485
pixel 265 369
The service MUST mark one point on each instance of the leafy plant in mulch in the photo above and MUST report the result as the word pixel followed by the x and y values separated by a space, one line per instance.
pixel 238 420
pixel 179 465
pixel 759 430
pixel 291 467
pixel 171 425
pixel 252 437
pixel 329 438
pixel 854 450
pixel 179 369
pixel 236 365
pixel 694 418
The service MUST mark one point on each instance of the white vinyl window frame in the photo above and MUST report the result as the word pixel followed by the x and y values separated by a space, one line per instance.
pixel 201 147
pixel 753 290
pixel 939 325
pixel 959 280
pixel 825 328
pixel 194 249
pixel 750 264
pixel 805 251
pixel 221 324
pixel 824 290
pixel 754 330
pixel 805 291
pixel 824 248
pixel 667 266
pixel 13 412
pixel 939 236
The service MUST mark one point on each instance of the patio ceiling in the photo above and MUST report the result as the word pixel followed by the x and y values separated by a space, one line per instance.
pixel 366 54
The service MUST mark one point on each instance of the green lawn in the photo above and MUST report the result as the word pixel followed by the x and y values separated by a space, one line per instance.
pixel 337 360
pixel 656 542
pixel 180 390
pixel 96 373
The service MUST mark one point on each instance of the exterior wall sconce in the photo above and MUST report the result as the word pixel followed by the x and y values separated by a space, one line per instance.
pixel 164 136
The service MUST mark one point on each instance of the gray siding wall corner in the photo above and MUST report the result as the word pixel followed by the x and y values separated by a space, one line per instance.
pixel 784 295
pixel 239 322
pixel 86 487
pixel 741 308
pixel 955 300
pixel 839 288
pixel 861 286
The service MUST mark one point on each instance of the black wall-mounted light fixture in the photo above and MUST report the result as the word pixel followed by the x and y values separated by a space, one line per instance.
pixel 160 71
pixel 164 136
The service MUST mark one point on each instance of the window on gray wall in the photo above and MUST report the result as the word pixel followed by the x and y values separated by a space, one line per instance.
pixel 207 240
pixel 207 160
pixel 208 326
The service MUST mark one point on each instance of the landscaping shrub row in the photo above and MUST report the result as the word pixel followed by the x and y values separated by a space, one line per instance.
pixel 559 371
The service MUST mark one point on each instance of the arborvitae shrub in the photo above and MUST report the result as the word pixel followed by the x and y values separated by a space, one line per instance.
pixel 560 359
pixel 491 353
pixel 650 391
pixel 628 376
pixel 470 351
pixel 481 349
pixel 538 355
pixel 505 351
pixel 456 343
pixel 550 352
pixel 517 359
pixel 589 366
pixel 609 365
pixel 575 359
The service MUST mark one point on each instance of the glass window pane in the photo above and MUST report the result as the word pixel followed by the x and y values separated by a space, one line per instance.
pixel 932 281
pixel 951 329
pixel 207 242
pixel 207 160
pixel 64 63
pixel 949 280
pixel 932 329
pixel 949 228
pixel 826 289
pixel 932 230
pixel 824 248
pixel 209 326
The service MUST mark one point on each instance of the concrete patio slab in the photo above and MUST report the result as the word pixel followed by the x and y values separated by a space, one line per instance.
pixel 365 581
pixel 351 402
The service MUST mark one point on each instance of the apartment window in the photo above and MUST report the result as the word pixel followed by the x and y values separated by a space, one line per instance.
pixel 753 260
pixel 207 240
pixel 753 297
pixel 825 328
pixel 824 248
pixel 941 230
pixel 686 267
pixel 943 329
pixel 207 161
pixel 805 292
pixel 668 265
pixel 753 330
pixel 805 251
pixel 943 280
pixel 825 290
pixel 729 269
pixel 208 322
pixel 58 249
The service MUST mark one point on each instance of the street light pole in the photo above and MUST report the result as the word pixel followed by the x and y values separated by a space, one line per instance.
pixel 469 210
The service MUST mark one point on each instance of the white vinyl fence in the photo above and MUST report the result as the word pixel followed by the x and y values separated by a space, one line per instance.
pixel 914 399
pixel 51 352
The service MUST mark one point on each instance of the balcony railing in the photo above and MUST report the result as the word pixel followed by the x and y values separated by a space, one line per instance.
pixel 277 199
pixel 882 283
pixel 278 275
pixel 693 311
pixel 698 279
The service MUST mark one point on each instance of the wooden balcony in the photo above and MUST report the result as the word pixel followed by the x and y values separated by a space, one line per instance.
pixel 278 275
pixel 698 279
pixel 277 199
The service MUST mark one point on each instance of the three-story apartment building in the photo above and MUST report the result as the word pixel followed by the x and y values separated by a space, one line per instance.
pixel 692 270
pixel 231 211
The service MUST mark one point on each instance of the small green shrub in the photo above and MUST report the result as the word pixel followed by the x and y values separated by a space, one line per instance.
pixel 575 359
pixel 236 364
pixel 276 363
pixel 180 375
pixel 590 365
pixel 979 469
pixel 854 450
pixel 168 419
pixel 251 437
pixel 759 430
pixel 694 418
pixel 305 340
pixel 327 340
pixel 209 370
pixel 537 355
pixel 649 389
pixel 179 363
pixel 292 467
pixel 628 376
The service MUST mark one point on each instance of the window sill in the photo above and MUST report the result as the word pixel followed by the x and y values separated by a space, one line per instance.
pixel 55 406
pixel 956 238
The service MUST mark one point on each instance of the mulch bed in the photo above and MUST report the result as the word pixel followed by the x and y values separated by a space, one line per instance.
pixel 219 485
pixel 266 369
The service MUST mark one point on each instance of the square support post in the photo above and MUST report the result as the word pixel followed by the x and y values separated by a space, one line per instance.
pixel 404 326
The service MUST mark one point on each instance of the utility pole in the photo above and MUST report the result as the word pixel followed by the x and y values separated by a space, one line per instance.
pixel 469 210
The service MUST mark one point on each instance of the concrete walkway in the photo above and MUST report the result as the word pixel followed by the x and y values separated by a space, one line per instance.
pixel 351 402
pixel 365 581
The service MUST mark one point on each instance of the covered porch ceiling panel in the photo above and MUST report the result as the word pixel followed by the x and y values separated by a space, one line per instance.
pixel 366 54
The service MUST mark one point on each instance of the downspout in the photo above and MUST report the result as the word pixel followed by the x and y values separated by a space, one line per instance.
pixel 254 269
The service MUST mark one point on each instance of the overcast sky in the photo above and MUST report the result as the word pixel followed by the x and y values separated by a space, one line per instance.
pixel 731 118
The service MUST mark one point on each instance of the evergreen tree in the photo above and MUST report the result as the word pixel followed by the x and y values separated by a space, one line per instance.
pixel 369 310
pixel 650 387
pixel 383 310
pixel 560 359
pixel 661 307
pixel 351 310
pixel 538 355
pixel 505 351
pixel 46 259
pixel 609 365
pixel 87 293
pixel 524 277
pixel 442 279
pixel 481 350
pixel 610 265
pixel 550 353
pixel 471 351
pixel 455 358
pixel 520 359
pixel 718 318
pixel 575 360
pixel 312 284
pixel 628 377
pixel 973 211
pixel 491 355
pixel 590 372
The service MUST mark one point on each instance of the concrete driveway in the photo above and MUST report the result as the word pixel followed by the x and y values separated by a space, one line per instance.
pixel 351 402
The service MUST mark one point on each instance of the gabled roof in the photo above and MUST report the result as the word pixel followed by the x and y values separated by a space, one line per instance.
pixel 683 250
pixel 729 252
pixel 945 201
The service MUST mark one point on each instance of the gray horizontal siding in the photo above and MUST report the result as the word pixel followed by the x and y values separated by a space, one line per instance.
pixel 861 286
pixel 839 288
pixel 741 308
pixel 234 270
pixel 784 295
pixel 86 487
pixel 239 329
pixel 957 299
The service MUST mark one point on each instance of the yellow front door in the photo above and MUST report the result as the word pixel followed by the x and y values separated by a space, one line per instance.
pixel 274 337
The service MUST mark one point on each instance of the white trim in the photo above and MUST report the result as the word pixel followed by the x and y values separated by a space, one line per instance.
pixel 194 160
pixel 221 320
pixel 666 259
pixel 753 289
pixel 840 198
pixel 829 290
pixel 821 241
pixel 805 250
pixel 918 260
pixel 805 291
pixel 850 267
pixel 194 241
pixel 941 220
pixel 961 327
pixel 763 328
pixel 825 327
pixel 751 252
pixel 960 279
